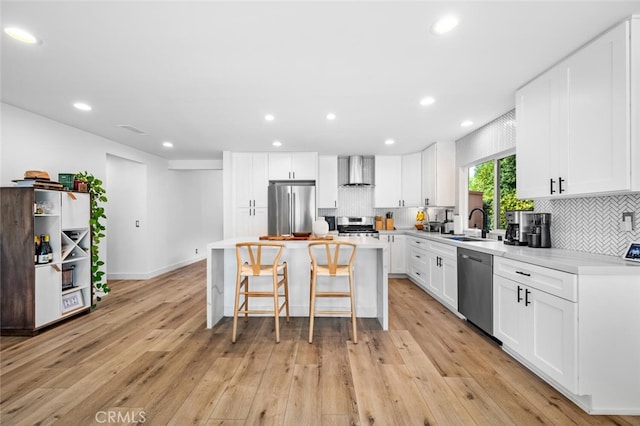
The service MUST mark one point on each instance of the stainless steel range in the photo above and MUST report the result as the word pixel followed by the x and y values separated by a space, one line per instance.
pixel 356 226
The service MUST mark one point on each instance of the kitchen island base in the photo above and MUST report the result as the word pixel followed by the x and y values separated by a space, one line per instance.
pixel 370 275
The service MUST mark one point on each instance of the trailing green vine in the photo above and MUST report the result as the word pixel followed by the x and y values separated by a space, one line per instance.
pixel 97 193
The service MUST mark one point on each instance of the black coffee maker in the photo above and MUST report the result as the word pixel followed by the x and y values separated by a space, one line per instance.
pixel 541 230
pixel 518 226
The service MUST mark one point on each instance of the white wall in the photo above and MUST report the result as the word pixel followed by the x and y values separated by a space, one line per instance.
pixel 30 141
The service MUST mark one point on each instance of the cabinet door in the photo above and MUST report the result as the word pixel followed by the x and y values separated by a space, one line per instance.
pixel 260 222
pixel 429 170
pixel 388 179
pixel 449 267
pixel 436 278
pixel 243 172
pixel 398 264
pixel 75 210
pixel 244 222
pixel 304 165
pixel 412 180
pixel 260 179
pixel 47 295
pixel 327 181
pixel 598 89
pixel 280 166
pixel 507 314
pixel 553 334
pixel 541 137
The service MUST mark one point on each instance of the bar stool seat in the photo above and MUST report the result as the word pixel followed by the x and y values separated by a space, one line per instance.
pixel 331 265
pixel 249 264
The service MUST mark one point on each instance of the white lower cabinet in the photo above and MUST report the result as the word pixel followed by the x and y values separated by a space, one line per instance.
pixel 397 253
pixel 47 294
pixel 434 267
pixel 538 326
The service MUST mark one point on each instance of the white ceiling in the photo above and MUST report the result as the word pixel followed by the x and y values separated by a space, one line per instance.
pixel 203 74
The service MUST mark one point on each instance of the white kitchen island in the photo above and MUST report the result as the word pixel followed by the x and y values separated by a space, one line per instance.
pixel 370 274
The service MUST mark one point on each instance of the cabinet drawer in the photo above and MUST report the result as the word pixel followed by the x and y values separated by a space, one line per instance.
pixel 418 256
pixel 418 274
pixel 558 283
pixel 441 249
pixel 419 243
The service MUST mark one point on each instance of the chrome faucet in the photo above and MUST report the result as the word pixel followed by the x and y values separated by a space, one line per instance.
pixel 484 220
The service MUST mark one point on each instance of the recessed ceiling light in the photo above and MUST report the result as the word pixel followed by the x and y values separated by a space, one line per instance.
pixel 21 35
pixel 389 142
pixel 331 116
pixel 466 123
pixel 276 143
pixel 82 106
pixel 444 25
pixel 269 117
pixel 167 144
pixel 427 101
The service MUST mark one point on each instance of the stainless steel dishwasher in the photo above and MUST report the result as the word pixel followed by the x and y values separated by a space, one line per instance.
pixel 475 288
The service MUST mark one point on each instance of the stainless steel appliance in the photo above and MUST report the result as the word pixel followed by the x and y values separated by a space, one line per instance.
pixel 291 207
pixel 331 220
pixel 356 226
pixel 541 230
pixel 475 288
pixel 518 226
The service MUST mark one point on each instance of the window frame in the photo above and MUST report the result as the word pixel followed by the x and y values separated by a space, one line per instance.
pixel 495 220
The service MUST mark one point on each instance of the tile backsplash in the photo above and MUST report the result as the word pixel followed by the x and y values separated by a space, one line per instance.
pixel 592 224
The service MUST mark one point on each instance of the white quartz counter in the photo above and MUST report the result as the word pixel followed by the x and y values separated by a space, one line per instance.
pixel 574 262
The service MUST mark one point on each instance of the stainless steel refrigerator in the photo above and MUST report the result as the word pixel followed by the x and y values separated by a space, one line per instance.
pixel 292 207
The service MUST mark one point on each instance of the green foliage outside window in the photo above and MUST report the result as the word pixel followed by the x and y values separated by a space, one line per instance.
pixel 482 178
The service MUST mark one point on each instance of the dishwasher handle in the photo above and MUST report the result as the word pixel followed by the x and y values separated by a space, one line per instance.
pixel 475 259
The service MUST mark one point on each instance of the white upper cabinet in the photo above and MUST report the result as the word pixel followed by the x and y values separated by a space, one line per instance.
pixel 251 180
pixel 327 181
pixel 388 181
pixel 397 180
pixel 574 127
pixel 411 180
pixel 293 166
pixel 438 175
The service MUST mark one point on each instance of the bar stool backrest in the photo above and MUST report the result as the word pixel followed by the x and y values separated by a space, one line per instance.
pixel 255 254
pixel 331 259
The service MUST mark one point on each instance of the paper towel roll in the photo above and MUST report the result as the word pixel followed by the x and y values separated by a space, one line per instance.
pixel 457 224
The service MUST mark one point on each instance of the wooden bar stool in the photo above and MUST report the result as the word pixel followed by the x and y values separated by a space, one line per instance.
pixel 253 267
pixel 328 263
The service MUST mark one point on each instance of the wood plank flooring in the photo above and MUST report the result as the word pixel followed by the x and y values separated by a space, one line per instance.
pixel 144 356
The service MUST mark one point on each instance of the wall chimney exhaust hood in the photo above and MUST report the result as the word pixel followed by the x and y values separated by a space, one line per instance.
pixel 356 171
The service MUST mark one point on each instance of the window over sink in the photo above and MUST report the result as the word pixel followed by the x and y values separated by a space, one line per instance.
pixel 492 187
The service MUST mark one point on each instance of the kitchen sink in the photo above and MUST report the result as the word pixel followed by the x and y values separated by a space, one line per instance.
pixel 470 239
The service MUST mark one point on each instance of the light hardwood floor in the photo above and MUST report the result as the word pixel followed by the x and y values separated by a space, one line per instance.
pixel 144 355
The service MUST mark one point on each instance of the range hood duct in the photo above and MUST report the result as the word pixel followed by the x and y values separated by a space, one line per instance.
pixel 356 171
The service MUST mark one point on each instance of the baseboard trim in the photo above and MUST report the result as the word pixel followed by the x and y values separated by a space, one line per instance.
pixel 153 274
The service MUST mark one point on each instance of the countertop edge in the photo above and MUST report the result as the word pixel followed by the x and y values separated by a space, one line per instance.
pixel 571 261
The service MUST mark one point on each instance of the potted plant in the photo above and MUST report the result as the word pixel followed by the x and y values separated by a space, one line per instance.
pixel 97 196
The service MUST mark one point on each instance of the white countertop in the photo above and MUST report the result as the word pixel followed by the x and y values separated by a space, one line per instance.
pixel 574 262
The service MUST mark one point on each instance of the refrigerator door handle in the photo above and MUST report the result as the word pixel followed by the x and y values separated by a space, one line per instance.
pixel 293 214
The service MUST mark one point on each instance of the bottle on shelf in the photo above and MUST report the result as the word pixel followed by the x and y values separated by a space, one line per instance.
pixel 45 254
pixel 36 243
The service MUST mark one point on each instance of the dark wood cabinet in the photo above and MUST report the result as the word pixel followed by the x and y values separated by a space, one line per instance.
pixel 32 295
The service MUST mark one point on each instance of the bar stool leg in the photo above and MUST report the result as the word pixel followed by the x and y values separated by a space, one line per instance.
pixel 353 310
pixel 275 306
pixel 286 291
pixel 312 304
pixel 235 308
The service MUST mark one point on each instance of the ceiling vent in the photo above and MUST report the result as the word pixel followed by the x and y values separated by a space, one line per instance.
pixel 131 128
